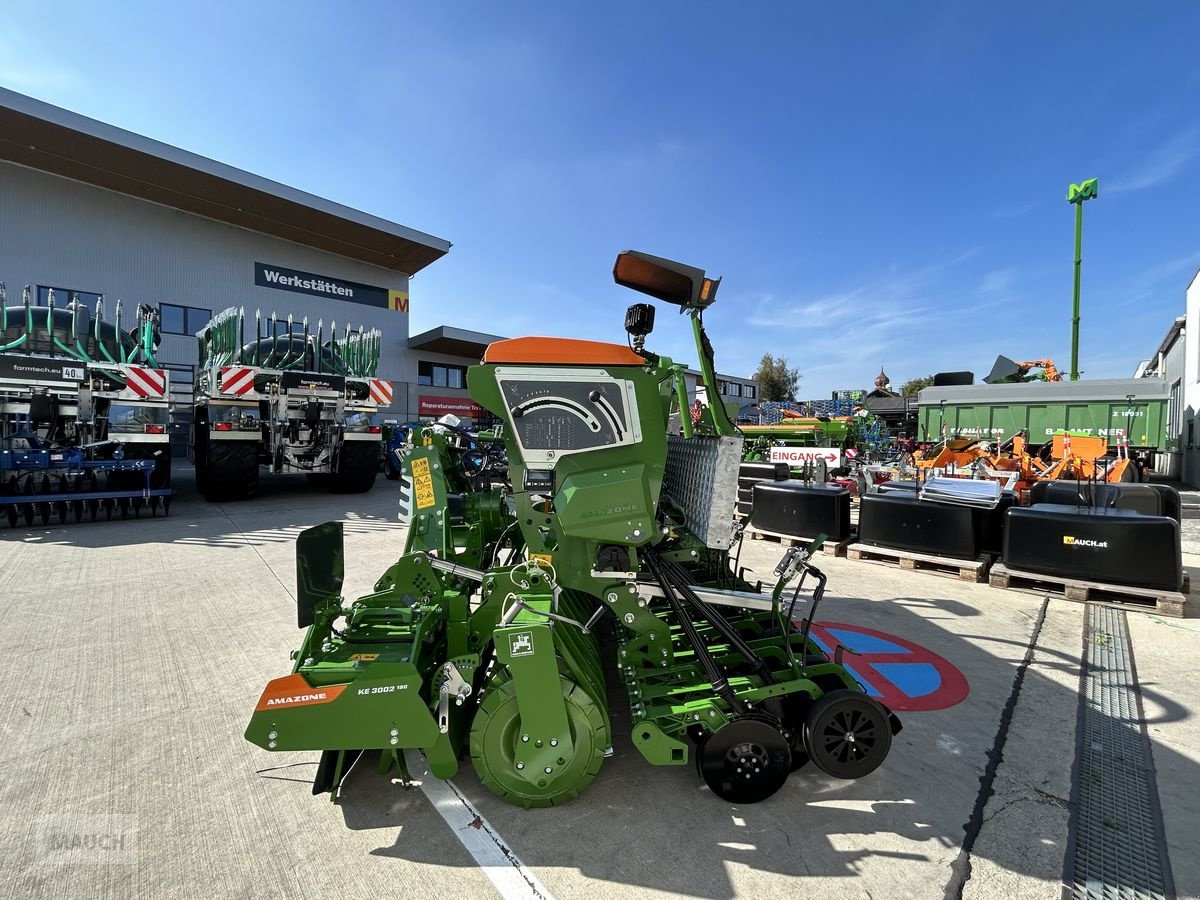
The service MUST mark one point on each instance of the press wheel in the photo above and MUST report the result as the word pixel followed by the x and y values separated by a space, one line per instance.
pixel 847 734
pixel 746 761
pixel 496 733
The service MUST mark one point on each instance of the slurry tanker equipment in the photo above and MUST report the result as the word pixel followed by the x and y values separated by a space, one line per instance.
pixel 293 402
pixel 83 413
pixel 604 560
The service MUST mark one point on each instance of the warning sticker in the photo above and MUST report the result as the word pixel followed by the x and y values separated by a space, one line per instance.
pixel 422 482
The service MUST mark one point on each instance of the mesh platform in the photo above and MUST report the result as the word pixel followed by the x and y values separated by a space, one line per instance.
pixel 701 479
pixel 1118 849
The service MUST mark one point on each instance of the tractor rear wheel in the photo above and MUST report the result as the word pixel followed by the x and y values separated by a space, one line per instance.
pixel 231 471
pixel 358 464
pixel 496 739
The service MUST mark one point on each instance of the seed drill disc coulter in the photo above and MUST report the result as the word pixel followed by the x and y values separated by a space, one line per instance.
pixel 587 546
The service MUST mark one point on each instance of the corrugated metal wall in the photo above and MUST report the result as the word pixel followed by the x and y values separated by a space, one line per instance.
pixel 62 233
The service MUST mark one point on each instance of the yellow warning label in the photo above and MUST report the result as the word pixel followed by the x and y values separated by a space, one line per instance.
pixel 422 482
pixel 541 558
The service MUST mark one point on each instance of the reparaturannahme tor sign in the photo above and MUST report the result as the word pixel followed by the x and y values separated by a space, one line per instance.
pixel 284 279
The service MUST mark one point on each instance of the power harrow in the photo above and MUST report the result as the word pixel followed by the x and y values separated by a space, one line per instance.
pixel 600 565
pixel 84 412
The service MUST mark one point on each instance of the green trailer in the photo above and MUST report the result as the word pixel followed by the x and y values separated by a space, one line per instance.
pixel 1122 409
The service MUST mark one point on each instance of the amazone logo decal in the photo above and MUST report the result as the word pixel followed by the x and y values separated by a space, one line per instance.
pixel 293 690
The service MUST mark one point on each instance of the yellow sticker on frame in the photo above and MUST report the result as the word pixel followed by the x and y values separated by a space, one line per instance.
pixel 422 483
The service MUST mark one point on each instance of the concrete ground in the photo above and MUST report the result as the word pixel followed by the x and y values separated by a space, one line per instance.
pixel 133 653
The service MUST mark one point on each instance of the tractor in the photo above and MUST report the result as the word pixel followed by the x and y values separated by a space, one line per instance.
pixel 599 563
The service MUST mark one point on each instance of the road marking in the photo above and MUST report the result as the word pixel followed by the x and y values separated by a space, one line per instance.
pixel 497 860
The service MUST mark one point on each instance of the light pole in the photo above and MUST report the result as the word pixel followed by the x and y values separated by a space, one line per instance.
pixel 1077 194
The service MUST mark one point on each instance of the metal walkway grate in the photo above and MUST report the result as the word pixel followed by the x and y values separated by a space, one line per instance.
pixel 1117 846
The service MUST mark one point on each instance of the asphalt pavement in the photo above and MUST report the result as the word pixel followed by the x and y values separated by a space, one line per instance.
pixel 134 652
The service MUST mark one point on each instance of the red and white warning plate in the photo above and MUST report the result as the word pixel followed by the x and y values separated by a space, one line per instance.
pixel 237 380
pixel 146 382
pixel 381 391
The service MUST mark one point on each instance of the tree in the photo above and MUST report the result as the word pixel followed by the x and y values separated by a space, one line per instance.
pixel 913 385
pixel 775 380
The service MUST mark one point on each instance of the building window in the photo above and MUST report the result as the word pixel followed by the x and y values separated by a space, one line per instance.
pixel 750 392
pixel 63 296
pixel 440 375
pixel 176 319
pixel 734 389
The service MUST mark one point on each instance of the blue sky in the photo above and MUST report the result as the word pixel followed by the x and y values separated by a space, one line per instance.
pixel 877 182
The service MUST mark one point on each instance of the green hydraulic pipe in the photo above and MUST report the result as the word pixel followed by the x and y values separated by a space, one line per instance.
pixel 67 350
pixel 716 412
pixel 117 333
pixel 685 413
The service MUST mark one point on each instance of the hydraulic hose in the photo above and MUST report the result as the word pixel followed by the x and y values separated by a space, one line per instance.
pixel 720 684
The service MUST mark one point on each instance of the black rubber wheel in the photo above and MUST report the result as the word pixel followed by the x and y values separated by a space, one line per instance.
pixel 199 446
pixel 746 761
pixel 847 734
pixel 358 464
pixel 232 470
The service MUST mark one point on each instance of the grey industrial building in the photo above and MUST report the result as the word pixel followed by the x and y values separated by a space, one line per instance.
pixel 93 210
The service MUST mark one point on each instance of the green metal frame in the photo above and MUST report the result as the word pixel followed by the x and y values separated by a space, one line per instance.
pixel 481 636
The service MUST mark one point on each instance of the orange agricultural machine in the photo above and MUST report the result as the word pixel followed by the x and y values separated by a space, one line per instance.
pixel 1067 456
pixel 1007 370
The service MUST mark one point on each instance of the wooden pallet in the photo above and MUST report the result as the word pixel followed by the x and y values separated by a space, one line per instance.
pixel 974 570
pixel 1166 603
pixel 829 548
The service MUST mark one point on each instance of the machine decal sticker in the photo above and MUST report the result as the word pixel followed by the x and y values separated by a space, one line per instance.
pixel 520 644
pixel 293 690
pixel 1084 542
pixel 903 675
pixel 422 482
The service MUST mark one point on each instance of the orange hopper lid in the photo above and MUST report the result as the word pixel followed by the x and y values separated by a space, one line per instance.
pixel 561 352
